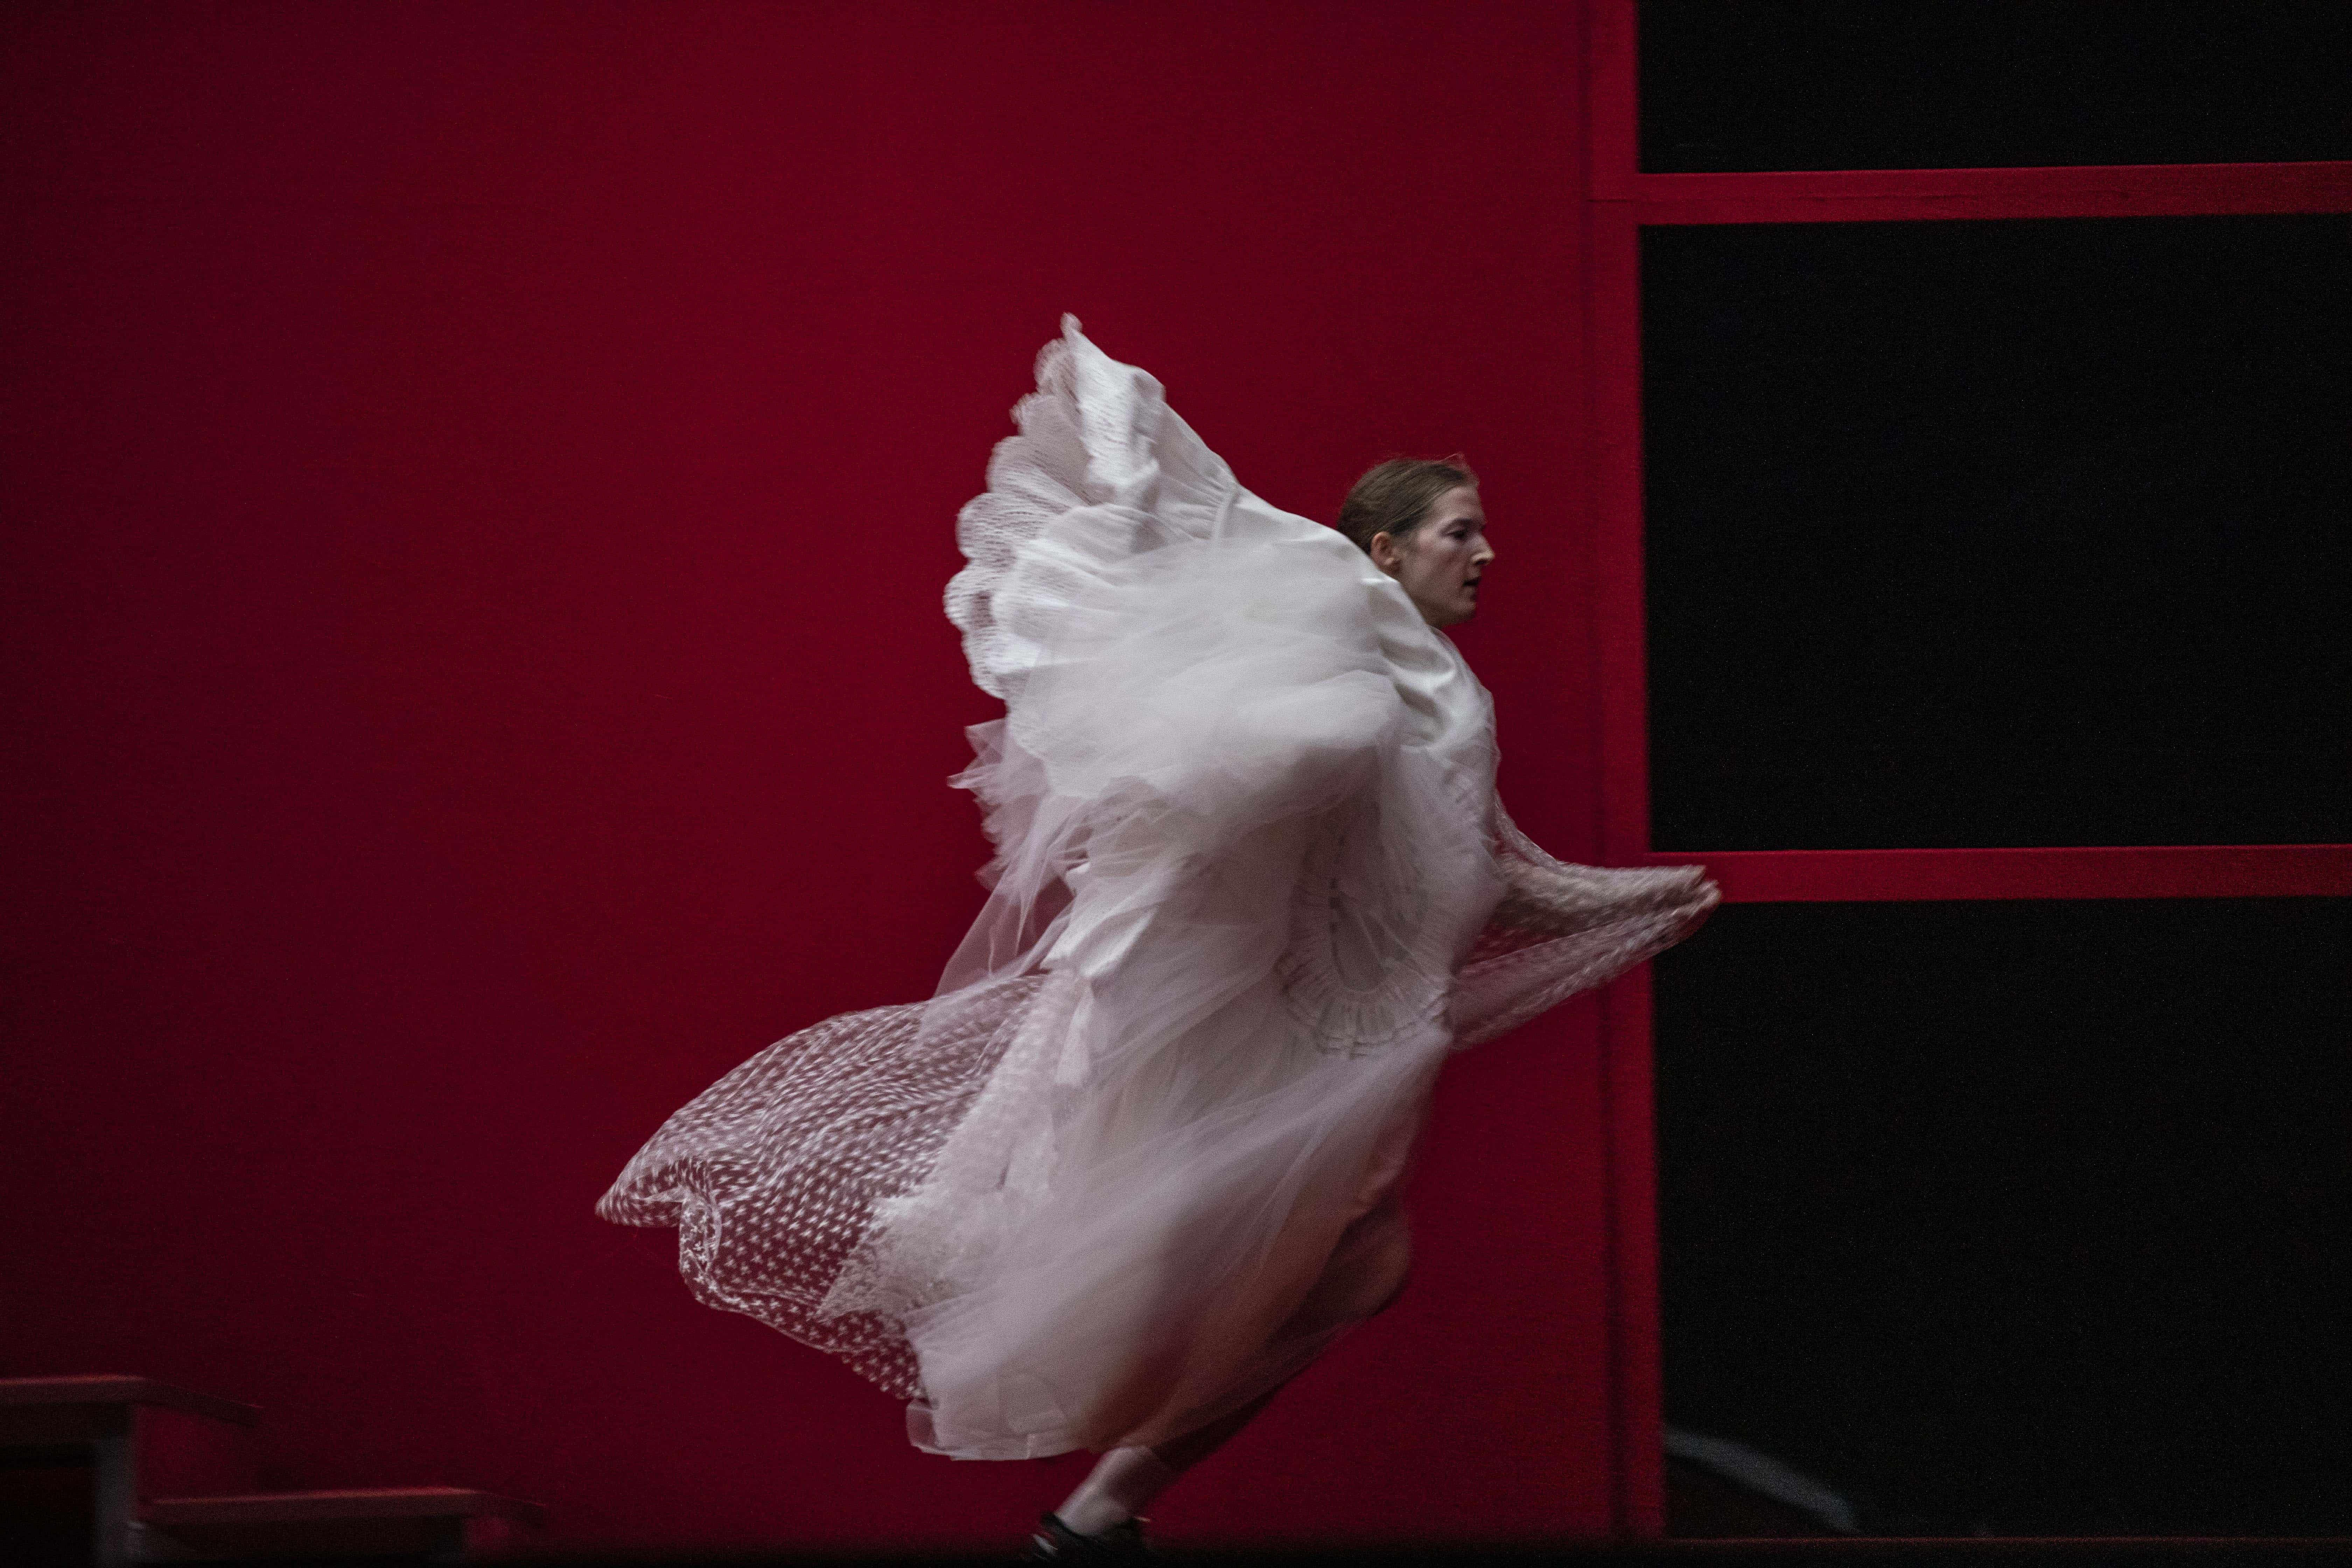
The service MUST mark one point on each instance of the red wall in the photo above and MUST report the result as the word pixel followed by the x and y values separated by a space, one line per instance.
pixel 479 483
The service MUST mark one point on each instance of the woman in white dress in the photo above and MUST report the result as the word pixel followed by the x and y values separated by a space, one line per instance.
pixel 1135 1164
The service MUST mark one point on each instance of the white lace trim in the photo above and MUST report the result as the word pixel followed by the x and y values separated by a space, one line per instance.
pixel 1033 478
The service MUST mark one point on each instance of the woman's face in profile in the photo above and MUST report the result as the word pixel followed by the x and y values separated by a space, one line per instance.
pixel 1439 563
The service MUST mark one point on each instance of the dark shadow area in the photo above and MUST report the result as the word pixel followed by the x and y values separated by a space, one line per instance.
pixel 45 1503
pixel 2000 534
pixel 1862 84
pixel 2017 1218
pixel 1946 1553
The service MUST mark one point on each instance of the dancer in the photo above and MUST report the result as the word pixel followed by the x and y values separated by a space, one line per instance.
pixel 1136 1162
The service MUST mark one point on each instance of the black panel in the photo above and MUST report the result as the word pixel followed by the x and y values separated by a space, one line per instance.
pixel 2024 1219
pixel 2000 534
pixel 1865 84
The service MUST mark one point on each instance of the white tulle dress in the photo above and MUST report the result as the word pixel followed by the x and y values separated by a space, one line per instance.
pixel 1135 1162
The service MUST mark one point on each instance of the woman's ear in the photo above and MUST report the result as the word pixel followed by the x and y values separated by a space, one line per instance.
pixel 1384 552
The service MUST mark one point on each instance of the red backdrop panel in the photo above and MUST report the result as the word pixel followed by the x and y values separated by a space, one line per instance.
pixel 480 481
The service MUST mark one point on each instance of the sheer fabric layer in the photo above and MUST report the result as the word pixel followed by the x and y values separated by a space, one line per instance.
pixel 1137 1161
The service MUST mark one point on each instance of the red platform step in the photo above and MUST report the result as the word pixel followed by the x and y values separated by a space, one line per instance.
pixel 174 1481
pixel 445 1521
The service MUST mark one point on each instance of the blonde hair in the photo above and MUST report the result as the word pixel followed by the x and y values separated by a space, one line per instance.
pixel 1394 498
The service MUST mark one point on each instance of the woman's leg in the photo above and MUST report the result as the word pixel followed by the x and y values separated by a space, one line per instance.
pixel 1181 1454
pixel 1125 1480
pixel 1366 1271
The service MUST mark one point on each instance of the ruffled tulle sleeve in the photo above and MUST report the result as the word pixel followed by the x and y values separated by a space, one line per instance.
pixel 1562 929
pixel 1097 443
pixel 1189 674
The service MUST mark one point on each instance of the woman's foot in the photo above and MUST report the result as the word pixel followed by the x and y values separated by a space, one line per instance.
pixel 1057 1543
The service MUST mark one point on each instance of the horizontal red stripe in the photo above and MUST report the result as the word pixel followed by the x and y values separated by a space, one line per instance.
pixel 1882 195
pixel 2165 871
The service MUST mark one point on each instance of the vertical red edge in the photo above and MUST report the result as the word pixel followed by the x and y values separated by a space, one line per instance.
pixel 1612 322
pixel 1638 1396
pixel 1610 80
pixel 1612 302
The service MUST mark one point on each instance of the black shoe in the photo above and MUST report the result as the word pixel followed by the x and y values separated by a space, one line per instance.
pixel 1057 1543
